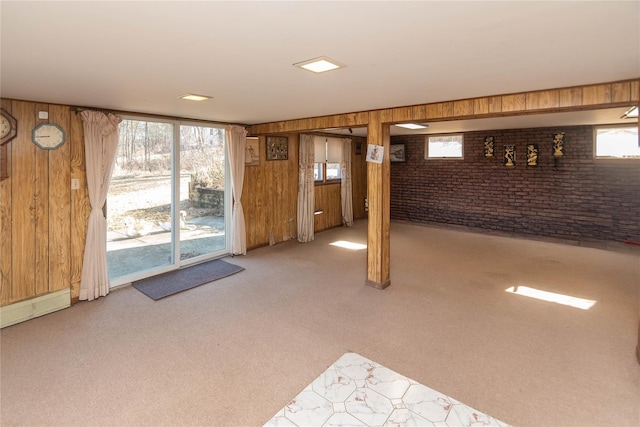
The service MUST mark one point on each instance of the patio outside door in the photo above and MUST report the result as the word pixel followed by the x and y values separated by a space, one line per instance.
pixel 167 202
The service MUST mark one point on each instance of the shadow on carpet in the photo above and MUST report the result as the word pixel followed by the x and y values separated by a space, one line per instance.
pixel 166 284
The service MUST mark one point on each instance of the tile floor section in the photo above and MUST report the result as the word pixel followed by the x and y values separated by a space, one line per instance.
pixel 356 391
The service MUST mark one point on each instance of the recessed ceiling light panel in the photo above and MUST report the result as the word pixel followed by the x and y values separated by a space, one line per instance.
pixel 194 97
pixel 412 126
pixel 631 113
pixel 319 65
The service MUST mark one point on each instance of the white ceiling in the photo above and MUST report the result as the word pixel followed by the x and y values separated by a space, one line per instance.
pixel 139 56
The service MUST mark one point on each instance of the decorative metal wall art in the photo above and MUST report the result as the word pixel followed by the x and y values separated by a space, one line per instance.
pixel 277 148
pixel 532 154
pixel 509 159
pixel 558 144
pixel 488 146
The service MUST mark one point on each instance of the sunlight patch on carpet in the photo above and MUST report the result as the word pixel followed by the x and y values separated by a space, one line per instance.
pixel 349 245
pixel 581 303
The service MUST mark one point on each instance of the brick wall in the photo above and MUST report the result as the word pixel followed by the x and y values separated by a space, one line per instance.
pixel 580 199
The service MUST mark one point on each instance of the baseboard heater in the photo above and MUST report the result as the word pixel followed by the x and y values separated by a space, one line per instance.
pixel 35 307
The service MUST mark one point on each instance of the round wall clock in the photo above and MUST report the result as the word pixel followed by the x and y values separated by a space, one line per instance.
pixel 48 136
pixel 8 127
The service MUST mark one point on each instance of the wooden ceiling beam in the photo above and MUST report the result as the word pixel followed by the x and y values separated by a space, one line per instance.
pixel 577 98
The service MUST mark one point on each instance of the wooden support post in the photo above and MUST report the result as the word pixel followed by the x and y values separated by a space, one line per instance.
pixel 379 195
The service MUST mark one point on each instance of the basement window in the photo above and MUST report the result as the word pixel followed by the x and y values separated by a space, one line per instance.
pixel 617 142
pixel 328 157
pixel 444 146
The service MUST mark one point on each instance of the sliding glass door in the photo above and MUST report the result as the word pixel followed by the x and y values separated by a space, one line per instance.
pixel 168 200
pixel 202 192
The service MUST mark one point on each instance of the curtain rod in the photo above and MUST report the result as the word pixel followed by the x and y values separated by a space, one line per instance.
pixel 99 110
pixel 78 109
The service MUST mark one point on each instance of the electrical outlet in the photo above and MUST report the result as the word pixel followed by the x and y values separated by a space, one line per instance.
pixel 75 184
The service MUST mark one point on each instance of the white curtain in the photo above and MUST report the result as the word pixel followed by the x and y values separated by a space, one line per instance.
pixel 100 144
pixel 346 196
pixel 306 188
pixel 236 137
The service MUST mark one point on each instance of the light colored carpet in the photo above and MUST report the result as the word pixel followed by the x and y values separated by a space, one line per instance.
pixel 235 351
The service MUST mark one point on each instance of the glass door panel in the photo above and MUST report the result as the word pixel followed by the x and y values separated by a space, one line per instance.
pixel 202 193
pixel 139 202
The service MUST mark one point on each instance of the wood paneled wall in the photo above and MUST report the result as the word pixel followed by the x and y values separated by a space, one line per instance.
pixel 359 176
pixel 42 221
pixel 270 196
pixel 327 201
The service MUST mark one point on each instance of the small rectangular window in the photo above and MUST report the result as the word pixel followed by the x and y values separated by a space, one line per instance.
pixel 617 142
pixel 444 146
pixel 318 171
pixel 328 158
pixel 334 171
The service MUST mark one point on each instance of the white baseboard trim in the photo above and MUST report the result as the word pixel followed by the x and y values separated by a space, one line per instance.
pixel 35 307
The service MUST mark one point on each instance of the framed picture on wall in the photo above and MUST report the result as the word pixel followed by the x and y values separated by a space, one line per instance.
pixel 277 148
pixel 375 153
pixel 397 152
pixel 252 152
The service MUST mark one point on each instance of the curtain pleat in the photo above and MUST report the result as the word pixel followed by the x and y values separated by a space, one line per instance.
pixel 101 136
pixel 346 195
pixel 236 137
pixel 306 188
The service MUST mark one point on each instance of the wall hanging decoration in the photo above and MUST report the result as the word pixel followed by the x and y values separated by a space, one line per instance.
pixel 8 131
pixel 558 144
pixel 277 148
pixel 396 152
pixel 532 154
pixel 488 146
pixel 8 127
pixel 509 156
pixel 48 136
pixel 375 153
pixel 252 152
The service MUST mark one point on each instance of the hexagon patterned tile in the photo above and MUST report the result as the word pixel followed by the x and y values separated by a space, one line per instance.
pixel 356 391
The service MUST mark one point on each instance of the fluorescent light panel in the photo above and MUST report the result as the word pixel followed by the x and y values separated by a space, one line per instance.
pixel 194 97
pixel 319 65
pixel 631 113
pixel 412 126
